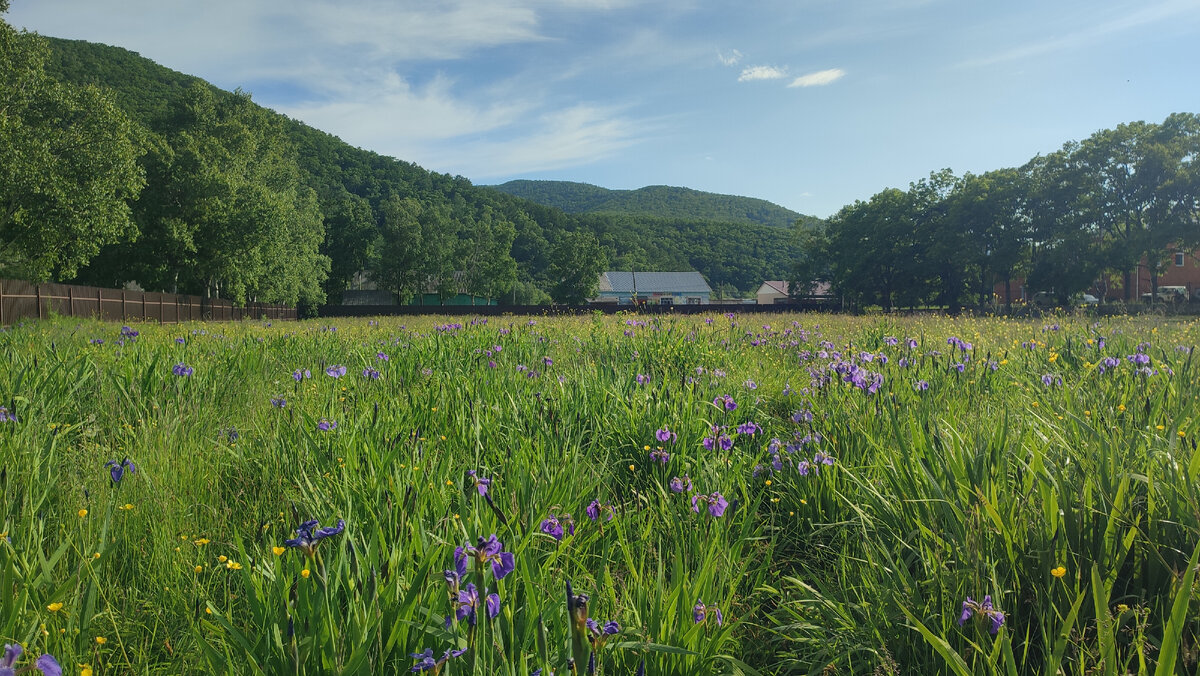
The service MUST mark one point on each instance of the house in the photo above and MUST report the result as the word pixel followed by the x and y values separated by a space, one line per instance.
pixel 656 288
pixel 774 292
pixel 364 291
pixel 1180 271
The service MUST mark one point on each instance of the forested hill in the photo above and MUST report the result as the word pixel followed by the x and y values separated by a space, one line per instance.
pixel 248 203
pixel 658 201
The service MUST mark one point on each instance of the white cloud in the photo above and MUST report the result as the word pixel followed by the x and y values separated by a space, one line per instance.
pixel 819 78
pixel 1085 35
pixel 730 59
pixel 762 73
pixel 559 139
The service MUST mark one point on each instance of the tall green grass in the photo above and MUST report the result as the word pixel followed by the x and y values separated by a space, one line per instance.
pixel 987 483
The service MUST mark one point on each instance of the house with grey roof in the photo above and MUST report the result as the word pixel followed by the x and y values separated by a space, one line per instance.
pixel 655 288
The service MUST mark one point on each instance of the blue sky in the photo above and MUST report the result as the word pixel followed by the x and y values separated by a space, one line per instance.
pixel 811 104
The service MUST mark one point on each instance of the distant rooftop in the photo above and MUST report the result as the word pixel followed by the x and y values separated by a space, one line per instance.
pixel 653 282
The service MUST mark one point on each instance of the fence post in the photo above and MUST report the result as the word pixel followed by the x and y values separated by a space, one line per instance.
pixel 70 302
pixel 38 292
pixel 143 306
pixel 123 305
pixel 1 303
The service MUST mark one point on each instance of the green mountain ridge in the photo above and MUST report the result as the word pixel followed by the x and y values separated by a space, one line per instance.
pixel 380 213
pixel 658 201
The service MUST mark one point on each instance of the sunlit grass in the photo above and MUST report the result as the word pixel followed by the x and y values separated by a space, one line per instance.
pixel 1029 471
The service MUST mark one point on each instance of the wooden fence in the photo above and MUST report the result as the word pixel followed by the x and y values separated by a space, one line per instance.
pixel 21 300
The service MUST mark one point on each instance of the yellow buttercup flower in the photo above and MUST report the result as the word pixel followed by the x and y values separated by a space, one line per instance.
pixel 222 558
pixel 233 565
pixel 54 607
pixel 201 542
pixel 1058 572
pixel 82 513
pixel 199 569
pixel 100 640
pixel 279 550
pixel 85 671
pixel 304 573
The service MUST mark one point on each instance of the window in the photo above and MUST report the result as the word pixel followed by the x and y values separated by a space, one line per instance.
pixel 665 301
pixel 1179 260
pixel 693 300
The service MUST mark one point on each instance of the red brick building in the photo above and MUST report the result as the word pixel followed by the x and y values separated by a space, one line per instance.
pixel 1181 270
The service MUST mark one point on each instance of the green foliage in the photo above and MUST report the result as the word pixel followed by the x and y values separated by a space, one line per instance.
pixel 67 166
pixel 1073 507
pixel 655 201
pixel 1068 220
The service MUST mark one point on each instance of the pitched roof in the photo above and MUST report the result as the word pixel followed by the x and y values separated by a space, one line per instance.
pixel 817 288
pixel 653 282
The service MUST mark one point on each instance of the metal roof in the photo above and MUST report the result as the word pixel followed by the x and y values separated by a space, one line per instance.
pixel 653 282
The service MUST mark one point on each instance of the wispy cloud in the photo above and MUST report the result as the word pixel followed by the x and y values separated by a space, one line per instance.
pixel 819 78
pixel 762 73
pixel 559 139
pixel 1086 35
pixel 730 59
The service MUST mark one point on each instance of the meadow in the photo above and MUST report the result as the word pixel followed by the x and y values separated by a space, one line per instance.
pixel 616 495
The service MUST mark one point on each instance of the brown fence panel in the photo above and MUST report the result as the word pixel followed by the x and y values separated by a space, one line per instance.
pixel 21 300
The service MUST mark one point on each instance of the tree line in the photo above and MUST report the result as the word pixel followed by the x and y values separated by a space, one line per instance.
pixel 1086 215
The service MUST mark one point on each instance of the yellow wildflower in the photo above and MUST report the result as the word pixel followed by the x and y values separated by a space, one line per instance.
pixel 55 607
pixel 1058 572
pixel 82 513
pixel 304 573
pixel 279 550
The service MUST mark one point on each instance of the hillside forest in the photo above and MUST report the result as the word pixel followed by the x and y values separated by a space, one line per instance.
pixel 114 169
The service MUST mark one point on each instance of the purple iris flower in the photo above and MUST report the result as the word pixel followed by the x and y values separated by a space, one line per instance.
pixel 725 401
pixel 554 524
pixel 596 508
pixel 983 609
pixel 116 469
pixel 278 402
pixel 725 442
pixel 922 385
pixel 749 428
pixel 308 536
pixel 381 356
pixel 425 661
pixel 326 425
pixel 701 613
pixel 889 340
pixel 642 379
pixel 547 361
pixel 664 435
pixel 822 459
pixel 182 370
pixel 5 416
pixel 370 373
pixel 469 602
pixel 679 485
pixel 335 371
pixel 299 375
pixel 479 483
pixel 455 577
pixel 492 551
pixel 750 385
pixel 716 503
pixel 660 455
pixel 45 664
